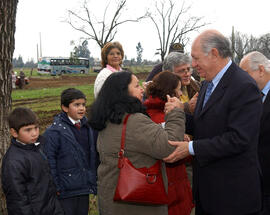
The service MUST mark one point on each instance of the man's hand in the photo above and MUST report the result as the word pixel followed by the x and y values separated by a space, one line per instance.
pixel 192 103
pixel 172 102
pixel 180 152
pixel 186 138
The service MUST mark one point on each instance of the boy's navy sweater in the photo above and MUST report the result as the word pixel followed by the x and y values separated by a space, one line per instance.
pixel 72 156
pixel 27 182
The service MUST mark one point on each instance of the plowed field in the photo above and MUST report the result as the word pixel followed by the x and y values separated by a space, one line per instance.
pixel 46 116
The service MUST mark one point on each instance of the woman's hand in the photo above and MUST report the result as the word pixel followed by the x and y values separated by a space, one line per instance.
pixel 172 102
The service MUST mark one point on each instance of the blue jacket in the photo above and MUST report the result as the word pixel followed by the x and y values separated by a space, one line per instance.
pixel 72 173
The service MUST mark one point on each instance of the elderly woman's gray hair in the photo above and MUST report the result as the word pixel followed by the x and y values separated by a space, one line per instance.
pixel 175 59
pixel 257 59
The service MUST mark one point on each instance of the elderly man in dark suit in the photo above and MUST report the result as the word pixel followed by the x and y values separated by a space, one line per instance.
pixel 225 126
pixel 258 67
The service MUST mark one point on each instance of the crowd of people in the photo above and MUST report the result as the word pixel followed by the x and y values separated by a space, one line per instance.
pixel 218 124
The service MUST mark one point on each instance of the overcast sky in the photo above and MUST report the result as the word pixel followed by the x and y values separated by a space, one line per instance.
pixel 45 17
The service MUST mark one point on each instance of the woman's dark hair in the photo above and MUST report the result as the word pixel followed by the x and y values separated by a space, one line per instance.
pixel 107 48
pixel 114 101
pixel 163 84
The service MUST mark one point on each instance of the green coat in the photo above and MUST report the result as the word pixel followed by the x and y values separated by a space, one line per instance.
pixel 146 142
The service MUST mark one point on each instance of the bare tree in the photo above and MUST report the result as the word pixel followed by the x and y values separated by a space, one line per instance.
pixel 242 44
pixel 8 11
pixel 167 19
pixel 264 45
pixel 101 31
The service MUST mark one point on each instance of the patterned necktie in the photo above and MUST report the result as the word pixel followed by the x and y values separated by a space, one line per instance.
pixel 78 125
pixel 208 92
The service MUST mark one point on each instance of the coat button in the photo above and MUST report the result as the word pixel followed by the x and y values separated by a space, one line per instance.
pixel 69 174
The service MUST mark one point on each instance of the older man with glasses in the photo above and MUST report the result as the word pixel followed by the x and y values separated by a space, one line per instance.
pixel 180 64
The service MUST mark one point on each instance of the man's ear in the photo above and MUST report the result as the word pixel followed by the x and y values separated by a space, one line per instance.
pixel 64 108
pixel 13 133
pixel 261 70
pixel 214 52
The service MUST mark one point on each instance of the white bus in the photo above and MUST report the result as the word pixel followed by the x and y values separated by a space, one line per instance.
pixel 61 65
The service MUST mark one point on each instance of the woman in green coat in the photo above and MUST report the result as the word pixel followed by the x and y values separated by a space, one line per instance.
pixel 146 142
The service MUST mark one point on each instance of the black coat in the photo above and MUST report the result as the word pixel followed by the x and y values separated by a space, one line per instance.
pixel 264 145
pixel 27 182
pixel 226 172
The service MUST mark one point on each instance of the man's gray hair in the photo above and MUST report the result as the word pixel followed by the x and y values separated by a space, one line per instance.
pixel 256 59
pixel 175 59
pixel 218 41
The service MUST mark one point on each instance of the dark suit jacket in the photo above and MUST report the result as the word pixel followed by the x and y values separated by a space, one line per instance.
pixel 264 145
pixel 226 178
pixel 157 69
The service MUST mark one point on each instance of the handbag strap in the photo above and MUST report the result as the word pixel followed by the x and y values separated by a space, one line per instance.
pixel 150 171
pixel 122 151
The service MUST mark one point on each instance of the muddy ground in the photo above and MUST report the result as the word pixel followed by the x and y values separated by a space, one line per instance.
pixel 46 117
pixel 64 80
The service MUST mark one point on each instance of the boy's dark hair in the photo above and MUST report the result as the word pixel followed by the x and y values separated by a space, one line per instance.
pixel 114 101
pixel 69 95
pixel 20 117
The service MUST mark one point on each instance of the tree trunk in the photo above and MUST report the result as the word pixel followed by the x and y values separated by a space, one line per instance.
pixel 8 10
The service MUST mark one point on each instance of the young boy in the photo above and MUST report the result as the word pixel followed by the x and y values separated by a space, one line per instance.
pixel 72 155
pixel 26 178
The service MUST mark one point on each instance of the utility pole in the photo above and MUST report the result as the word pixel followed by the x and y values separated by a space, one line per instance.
pixel 233 44
pixel 40 44
pixel 37 53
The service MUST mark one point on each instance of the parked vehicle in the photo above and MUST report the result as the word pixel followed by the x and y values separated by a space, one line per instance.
pixel 60 65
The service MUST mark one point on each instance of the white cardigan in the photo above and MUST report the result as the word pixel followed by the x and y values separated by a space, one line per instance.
pixel 100 79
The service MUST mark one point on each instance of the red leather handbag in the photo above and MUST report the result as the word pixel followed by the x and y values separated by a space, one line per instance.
pixel 139 185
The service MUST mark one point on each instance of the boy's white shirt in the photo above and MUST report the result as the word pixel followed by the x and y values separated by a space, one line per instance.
pixel 36 144
pixel 73 121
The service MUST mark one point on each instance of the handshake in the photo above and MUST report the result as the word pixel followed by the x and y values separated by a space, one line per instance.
pixel 173 102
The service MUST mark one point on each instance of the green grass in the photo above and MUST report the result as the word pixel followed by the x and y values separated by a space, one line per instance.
pixel 47 92
pixel 47 99
pixel 46 102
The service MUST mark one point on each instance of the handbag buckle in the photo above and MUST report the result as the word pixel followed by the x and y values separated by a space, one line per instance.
pixel 121 153
pixel 151 178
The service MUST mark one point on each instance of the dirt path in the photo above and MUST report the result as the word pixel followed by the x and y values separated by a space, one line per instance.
pixel 58 81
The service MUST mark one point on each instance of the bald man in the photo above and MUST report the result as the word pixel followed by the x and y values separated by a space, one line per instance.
pixel 225 127
pixel 258 67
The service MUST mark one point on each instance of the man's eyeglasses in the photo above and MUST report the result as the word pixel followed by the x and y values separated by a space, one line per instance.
pixel 184 71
